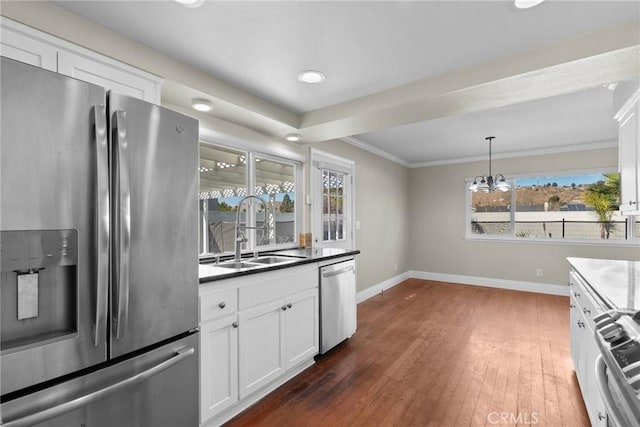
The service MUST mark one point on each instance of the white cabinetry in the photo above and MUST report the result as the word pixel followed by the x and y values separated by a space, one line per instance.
pixel 302 327
pixel 219 365
pixel 584 349
pixel 627 96
pixel 257 331
pixel 218 350
pixel 42 50
pixel 262 346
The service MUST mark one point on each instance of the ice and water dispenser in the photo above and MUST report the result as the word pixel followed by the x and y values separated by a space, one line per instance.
pixel 39 287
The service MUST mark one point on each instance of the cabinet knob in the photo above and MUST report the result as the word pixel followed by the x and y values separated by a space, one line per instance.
pixel 222 304
pixel 580 324
pixel 631 203
pixel 234 324
pixel 570 283
pixel 577 294
pixel 572 306
pixel 289 305
pixel 284 307
pixel 586 310
pixel 601 416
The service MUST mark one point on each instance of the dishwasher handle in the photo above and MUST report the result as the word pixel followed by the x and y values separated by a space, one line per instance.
pixel 331 273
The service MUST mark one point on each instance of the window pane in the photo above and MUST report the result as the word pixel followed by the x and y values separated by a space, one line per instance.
pixel 491 213
pixel 276 181
pixel 223 181
pixel 569 206
pixel 333 205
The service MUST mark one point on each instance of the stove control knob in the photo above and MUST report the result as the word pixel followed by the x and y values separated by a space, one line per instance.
pixel 602 316
pixel 612 332
pixel 603 322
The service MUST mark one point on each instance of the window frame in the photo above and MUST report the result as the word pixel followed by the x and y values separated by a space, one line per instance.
pixel 251 155
pixel 511 238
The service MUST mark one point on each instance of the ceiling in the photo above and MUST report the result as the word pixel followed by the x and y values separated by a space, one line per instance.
pixel 421 81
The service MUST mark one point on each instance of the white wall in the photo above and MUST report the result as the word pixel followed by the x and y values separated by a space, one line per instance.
pixel 382 202
pixel 437 223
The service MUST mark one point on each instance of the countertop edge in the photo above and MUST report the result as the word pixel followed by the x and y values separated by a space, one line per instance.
pixel 299 262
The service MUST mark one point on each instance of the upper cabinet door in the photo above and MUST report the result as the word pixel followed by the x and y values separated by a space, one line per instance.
pixel 113 77
pixel 18 46
pixel 629 152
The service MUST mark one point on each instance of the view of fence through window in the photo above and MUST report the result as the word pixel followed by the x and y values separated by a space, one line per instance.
pixel 581 206
pixel 223 184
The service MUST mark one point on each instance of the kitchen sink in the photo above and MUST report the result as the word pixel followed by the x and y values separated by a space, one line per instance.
pixel 238 265
pixel 273 259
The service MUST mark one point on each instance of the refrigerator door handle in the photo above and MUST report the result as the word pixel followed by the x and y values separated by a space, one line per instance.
pixel 102 201
pixel 122 223
pixel 71 405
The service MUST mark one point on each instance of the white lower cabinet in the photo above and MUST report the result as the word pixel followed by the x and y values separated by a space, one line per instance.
pixel 584 348
pixel 219 365
pixel 256 332
pixel 302 327
pixel 262 346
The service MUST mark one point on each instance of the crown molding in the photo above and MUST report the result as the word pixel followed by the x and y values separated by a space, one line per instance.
pixel 515 154
pixel 375 150
pixel 524 153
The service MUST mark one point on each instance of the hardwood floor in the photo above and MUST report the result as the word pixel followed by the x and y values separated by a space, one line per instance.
pixel 439 354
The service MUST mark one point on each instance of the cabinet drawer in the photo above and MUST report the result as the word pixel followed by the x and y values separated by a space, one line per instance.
pixel 585 300
pixel 218 304
pixel 277 284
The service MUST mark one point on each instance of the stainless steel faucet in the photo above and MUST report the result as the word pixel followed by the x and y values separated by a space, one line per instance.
pixel 240 235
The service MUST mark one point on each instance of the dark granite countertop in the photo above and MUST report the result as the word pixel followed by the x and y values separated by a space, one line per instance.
pixel 209 271
pixel 616 282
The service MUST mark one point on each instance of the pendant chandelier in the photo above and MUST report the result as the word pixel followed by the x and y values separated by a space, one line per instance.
pixel 487 183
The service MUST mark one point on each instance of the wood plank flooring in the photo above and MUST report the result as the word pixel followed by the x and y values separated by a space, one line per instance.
pixel 439 354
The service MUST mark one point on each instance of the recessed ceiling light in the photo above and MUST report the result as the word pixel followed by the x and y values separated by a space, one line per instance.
pixel 200 104
pixel 311 76
pixel 526 4
pixel 293 137
pixel 190 3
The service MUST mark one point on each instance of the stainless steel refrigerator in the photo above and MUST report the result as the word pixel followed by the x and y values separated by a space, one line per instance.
pixel 98 240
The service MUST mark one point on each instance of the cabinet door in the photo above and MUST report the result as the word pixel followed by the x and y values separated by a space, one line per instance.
pixel 575 333
pixel 262 345
pixel 218 366
pixel 301 327
pixel 23 48
pixel 628 141
pixel 114 76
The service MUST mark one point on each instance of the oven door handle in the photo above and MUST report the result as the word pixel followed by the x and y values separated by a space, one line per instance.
pixel 601 379
pixel 71 405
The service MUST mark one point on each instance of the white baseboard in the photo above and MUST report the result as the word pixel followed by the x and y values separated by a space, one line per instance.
pixel 516 285
pixel 376 289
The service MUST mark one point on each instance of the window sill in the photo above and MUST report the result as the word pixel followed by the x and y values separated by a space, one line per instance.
pixel 571 242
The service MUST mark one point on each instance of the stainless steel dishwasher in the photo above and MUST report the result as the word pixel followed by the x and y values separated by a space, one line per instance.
pixel 337 303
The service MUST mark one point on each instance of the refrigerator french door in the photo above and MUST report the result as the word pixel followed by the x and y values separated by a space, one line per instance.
pixel 98 240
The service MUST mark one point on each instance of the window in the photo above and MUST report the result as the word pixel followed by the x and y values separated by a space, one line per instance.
pixel 580 206
pixel 332 189
pixel 226 177
pixel 275 183
pixel 333 214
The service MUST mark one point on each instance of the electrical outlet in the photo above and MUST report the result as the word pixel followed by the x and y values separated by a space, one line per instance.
pixel 539 272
